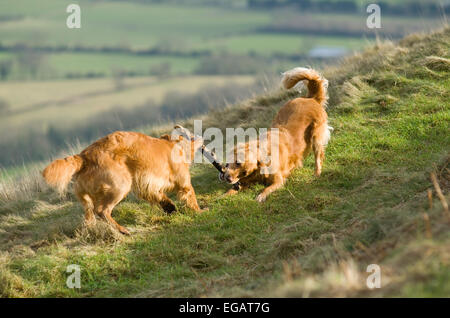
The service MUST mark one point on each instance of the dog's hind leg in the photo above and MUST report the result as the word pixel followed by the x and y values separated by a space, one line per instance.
pixel 107 215
pixel 319 156
pixel 106 204
pixel 109 196
pixel 88 205
pixel 320 138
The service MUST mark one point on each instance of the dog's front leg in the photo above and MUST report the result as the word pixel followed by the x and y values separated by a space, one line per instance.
pixel 277 183
pixel 187 194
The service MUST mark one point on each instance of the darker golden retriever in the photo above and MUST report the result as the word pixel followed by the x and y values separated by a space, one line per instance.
pixel 106 171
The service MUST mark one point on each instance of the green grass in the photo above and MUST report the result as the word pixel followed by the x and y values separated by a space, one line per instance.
pixel 129 23
pixel 268 44
pixel 315 237
pixel 83 63
pixel 179 27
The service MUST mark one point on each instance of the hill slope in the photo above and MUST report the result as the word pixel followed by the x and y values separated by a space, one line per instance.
pixel 315 237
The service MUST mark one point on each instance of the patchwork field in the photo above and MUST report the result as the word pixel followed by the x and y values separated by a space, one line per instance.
pixel 66 104
pixel 112 32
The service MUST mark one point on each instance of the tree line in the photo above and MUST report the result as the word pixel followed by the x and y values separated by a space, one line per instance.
pixel 406 8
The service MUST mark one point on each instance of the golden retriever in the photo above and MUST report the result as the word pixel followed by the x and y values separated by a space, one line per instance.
pixel 302 126
pixel 106 171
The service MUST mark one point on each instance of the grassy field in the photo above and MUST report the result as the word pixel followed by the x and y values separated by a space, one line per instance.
pixel 280 43
pixel 128 23
pixel 174 28
pixel 315 237
pixel 66 103
pixel 106 64
pixel 125 23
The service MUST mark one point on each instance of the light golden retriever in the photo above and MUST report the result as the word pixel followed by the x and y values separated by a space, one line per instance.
pixel 302 126
pixel 106 171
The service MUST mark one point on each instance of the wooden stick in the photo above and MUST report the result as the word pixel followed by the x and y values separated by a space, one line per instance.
pixel 212 158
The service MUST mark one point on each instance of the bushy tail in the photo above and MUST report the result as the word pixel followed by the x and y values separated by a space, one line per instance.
pixel 317 85
pixel 59 173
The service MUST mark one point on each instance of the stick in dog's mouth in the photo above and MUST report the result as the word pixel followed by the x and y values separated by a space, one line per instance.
pixel 212 158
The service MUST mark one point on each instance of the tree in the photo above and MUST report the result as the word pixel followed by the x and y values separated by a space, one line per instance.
pixel 31 61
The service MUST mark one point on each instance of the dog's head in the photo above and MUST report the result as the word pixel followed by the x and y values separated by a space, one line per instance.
pixel 188 142
pixel 241 162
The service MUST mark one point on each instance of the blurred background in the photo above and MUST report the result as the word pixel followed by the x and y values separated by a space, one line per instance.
pixel 141 63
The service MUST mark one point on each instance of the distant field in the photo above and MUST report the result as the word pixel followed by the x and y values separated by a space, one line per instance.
pixel 64 103
pixel 65 63
pixel 173 28
pixel 177 27
pixel 112 23
pixel 266 44
pixel 58 65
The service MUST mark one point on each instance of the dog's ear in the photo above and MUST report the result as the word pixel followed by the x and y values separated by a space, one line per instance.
pixel 183 131
pixel 165 136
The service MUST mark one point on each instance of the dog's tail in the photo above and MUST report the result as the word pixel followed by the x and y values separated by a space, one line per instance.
pixel 317 85
pixel 59 173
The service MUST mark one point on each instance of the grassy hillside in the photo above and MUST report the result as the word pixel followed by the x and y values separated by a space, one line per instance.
pixel 315 237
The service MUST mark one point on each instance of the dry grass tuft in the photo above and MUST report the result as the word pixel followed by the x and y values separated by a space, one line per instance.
pixel 22 188
pixel 11 285
pixel 437 63
pixel 100 232
pixel 339 280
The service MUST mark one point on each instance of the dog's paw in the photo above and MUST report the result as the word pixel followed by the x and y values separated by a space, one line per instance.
pixel 261 198
pixel 230 192
pixel 90 222
pixel 124 231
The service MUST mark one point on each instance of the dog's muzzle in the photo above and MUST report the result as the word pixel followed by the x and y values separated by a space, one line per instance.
pixel 236 185
pixel 223 178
